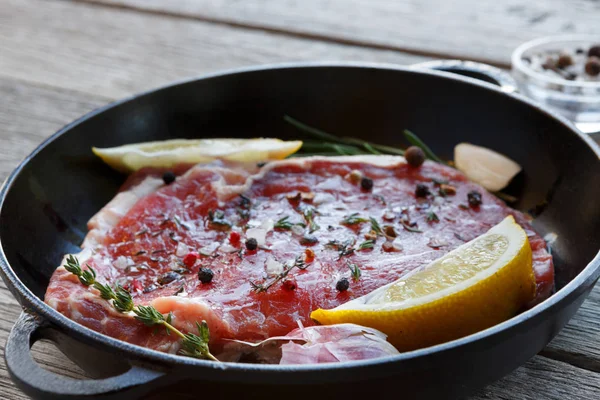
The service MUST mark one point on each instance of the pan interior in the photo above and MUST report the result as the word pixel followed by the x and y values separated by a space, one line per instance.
pixel 56 192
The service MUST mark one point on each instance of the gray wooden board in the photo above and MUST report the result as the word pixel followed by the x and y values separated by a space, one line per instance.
pixel 486 30
pixel 115 53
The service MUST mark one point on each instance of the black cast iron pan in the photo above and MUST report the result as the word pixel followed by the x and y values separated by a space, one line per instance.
pixel 47 200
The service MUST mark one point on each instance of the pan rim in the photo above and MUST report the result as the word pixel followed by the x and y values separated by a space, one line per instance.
pixel 588 274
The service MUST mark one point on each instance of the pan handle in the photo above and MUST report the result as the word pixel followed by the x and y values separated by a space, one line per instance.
pixel 472 69
pixel 42 384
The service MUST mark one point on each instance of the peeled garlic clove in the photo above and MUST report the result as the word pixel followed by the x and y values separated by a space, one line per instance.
pixel 486 167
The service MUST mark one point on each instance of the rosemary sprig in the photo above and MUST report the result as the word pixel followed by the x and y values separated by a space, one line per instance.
pixel 375 227
pixel 298 263
pixel 328 140
pixel 283 223
pixel 354 271
pixel 191 345
pixel 353 219
pixel 415 141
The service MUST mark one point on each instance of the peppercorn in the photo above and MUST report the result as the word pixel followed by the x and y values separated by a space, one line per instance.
pixel 592 66
pixel 594 51
pixel 168 177
pixel 366 183
pixel 415 157
pixel 342 285
pixel 422 190
pixel 205 275
pixel 579 51
pixel 564 60
pixel 261 164
pixel 474 198
pixel 251 244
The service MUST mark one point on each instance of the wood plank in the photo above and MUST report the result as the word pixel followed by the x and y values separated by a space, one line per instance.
pixel 577 344
pixel 114 53
pixel 485 30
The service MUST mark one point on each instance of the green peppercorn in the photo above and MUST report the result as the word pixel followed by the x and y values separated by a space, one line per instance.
pixel 342 285
pixel 251 244
pixel 205 275
pixel 415 157
pixel 168 177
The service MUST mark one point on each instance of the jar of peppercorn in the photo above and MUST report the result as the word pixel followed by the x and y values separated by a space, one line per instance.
pixel 562 73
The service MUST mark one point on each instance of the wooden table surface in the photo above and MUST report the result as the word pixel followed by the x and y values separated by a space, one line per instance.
pixel 61 59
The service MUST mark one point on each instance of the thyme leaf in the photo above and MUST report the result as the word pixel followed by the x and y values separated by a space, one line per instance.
pixel 367 244
pixel 432 217
pixel 283 223
pixel 375 226
pixel 355 271
pixel 353 219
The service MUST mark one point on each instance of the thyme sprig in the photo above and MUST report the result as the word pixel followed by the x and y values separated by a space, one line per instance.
pixel 191 345
pixel 353 219
pixel 86 277
pixel 298 263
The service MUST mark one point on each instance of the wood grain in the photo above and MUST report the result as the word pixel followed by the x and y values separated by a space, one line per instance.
pixel 485 30
pixel 115 53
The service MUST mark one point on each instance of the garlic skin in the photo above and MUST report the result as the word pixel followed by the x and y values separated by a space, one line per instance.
pixel 486 167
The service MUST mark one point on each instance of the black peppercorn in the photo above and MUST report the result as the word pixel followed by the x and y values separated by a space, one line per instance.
pixel 422 190
pixel 251 244
pixel 205 275
pixel 592 66
pixel 308 240
pixel 474 198
pixel 564 60
pixel 261 164
pixel 366 183
pixel 579 51
pixel 342 285
pixel 594 51
pixel 168 177
pixel 415 157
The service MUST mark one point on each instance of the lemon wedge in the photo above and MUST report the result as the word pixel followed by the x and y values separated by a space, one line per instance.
pixel 475 286
pixel 168 153
pixel 486 167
